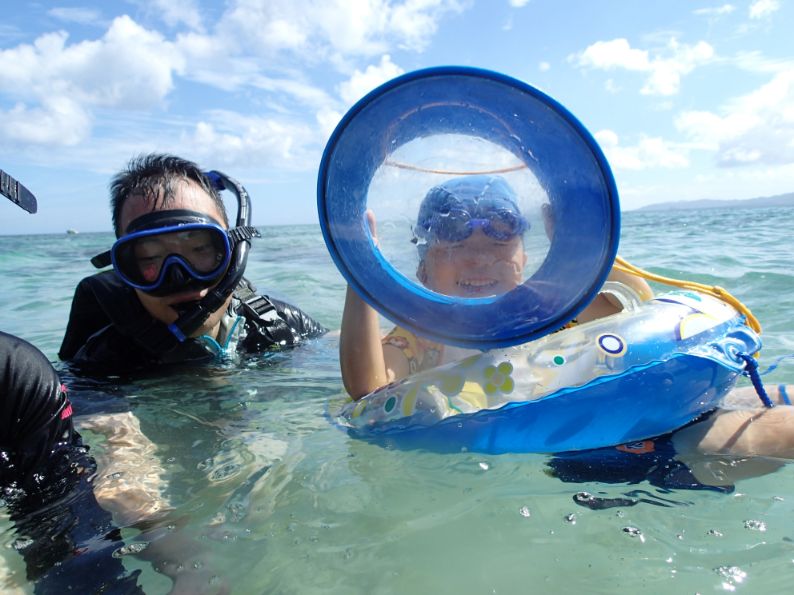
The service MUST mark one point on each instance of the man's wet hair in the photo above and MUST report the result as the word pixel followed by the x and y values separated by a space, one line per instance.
pixel 156 177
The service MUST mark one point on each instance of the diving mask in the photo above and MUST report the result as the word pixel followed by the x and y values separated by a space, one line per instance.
pixel 167 252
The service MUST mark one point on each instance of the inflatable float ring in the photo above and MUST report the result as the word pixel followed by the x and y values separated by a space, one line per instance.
pixel 630 376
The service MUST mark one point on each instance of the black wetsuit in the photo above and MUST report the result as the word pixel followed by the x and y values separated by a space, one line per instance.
pixel 65 537
pixel 109 328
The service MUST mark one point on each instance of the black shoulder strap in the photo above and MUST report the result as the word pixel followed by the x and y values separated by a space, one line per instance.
pixel 265 314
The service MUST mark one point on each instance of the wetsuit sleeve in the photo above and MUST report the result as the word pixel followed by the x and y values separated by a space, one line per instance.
pixel 300 322
pixel 273 323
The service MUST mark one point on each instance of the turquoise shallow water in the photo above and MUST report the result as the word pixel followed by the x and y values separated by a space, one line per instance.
pixel 288 503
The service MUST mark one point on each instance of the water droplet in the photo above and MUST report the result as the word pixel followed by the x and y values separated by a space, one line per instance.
pixel 484 466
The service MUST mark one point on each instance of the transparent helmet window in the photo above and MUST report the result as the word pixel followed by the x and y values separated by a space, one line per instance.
pixel 479 242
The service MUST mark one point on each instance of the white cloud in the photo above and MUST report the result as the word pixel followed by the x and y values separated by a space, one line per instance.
pixel 183 12
pixel 715 11
pixel 518 3
pixel 246 141
pixel 316 29
pixel 128 68
pixel 81 16
pixel 544 66
pixel 58 122
pixel 755 128
pixel 760 9
pixel 649 152
pixel 617 53
pixel 361 83
pixel 663 73
pixel 269 53
pixel 328 120
pixel 612 87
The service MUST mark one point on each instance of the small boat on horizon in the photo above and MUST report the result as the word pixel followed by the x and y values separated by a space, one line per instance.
pixel 72 232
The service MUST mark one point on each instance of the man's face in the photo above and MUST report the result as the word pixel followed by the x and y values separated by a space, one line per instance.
pixel 478 266
pixel 189 196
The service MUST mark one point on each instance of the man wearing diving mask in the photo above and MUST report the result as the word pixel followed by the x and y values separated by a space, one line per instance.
pixel 176 292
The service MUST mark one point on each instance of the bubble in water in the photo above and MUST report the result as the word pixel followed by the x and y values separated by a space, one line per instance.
pixel 224 472
pixel 21 544
pixel 755 525
pixel 571 518
pixel 524 512
pixel 634 532
pixel 733 574
pixel 130 548
pixel 484 466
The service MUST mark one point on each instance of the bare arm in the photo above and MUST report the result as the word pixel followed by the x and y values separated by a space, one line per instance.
pixel 605 304
pixel 638 284
pixel 360 349
pixel 751 438
pixel 130 481
pixel 130 485
pixel 366 364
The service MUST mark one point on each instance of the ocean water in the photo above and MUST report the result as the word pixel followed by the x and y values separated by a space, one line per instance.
pixel 286 502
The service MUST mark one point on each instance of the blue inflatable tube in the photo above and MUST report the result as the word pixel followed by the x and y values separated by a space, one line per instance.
pixel 631 376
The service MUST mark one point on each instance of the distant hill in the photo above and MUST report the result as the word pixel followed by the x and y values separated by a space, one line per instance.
pixel 780 200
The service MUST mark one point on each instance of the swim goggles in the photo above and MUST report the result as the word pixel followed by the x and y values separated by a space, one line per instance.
pixel 167 252
pixel 457 224
pixel 452 211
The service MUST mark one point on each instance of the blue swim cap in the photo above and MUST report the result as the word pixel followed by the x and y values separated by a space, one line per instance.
pixel 452 210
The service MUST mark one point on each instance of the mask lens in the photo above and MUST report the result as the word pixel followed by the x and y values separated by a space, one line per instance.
pixel 143 258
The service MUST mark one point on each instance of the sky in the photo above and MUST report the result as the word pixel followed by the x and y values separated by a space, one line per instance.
pixel 688 99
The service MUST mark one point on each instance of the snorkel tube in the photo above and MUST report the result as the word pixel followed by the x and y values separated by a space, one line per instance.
pixel 241 235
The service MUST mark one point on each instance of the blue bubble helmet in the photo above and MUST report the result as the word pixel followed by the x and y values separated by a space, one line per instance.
pixel 540 135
